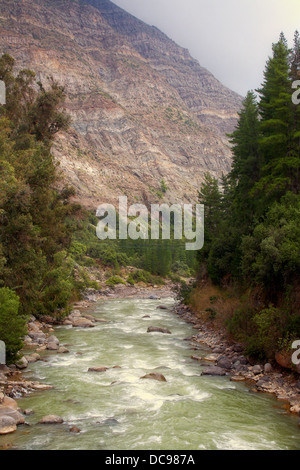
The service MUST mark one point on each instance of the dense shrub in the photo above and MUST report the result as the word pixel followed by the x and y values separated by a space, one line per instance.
pixel 12 324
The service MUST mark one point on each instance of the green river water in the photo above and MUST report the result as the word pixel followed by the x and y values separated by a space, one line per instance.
pixel 117 410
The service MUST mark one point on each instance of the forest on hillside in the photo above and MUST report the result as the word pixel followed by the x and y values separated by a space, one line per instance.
pixel 252 217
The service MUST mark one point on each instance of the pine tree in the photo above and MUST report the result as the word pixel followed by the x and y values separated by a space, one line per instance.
pixel 280 151
pixel 247 162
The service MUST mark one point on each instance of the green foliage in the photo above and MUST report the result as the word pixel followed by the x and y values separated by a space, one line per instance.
pixel 184 291
pixel 34 217
pixel 272 254
pixel 12 324
pixel 114 280
pixel 144 276
pixel 163 186
pixel 252 218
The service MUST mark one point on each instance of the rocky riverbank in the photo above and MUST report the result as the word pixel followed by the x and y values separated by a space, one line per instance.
pixel 40 342
pixel 222 359
pixel 228 358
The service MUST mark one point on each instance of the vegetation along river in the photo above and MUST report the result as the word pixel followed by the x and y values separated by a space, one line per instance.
pixel 117 409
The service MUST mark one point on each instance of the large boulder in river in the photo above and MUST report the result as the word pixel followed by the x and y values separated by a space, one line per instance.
pixel 7 425
pixel 10 402
pixel 22 363
pixel 155 329
pixel 82 323
pixel 12 413
pixel 155 376
pixel 213 370
pixel 51 419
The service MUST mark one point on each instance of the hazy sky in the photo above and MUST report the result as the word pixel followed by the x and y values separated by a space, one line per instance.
pixel 231 38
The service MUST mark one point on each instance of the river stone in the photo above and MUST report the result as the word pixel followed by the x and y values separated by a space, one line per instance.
pixel 154 329
pixel 33 327
pixel 22 363
pixel 89 317
pixel 162 307
pixel 268 368
pixel 213 370
pixel 97 369
pixel 51 419
pixel 10 402
pixel 155 376
pixel 14 414
pixel 75 430
pixel 53 339
pixel 82 323
pixel 37 386
pixel 212 357
pixel 52 346
pixel 33 358
pixel 196 358
pixel 224 363
pixel 63 350
pixel 257 369
pixel 38 338
pixel 237 378
pixel 7 425
pixel 75 313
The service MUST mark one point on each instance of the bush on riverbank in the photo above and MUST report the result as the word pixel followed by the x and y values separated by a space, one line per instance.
pixel 12 324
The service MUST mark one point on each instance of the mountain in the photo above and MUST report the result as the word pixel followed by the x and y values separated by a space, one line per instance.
pixel 143 110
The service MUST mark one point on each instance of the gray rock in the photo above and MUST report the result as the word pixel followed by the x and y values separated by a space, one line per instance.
pixel 257 369
pixel 52 347
pixel 53 339
pixel 154 329
pixel 39 338
pixel 82 323
pixel 268 368
pixel 238 347
pixel 155 376
pixel 7 425
pixel 97 369
pixel 243 360
pixel 33 358
pixel 51 419
pixel 214 371
pixel 224 363
pixel 12 413
pixel 22 363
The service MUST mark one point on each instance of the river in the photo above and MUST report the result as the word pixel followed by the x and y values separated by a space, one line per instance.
pixel 117 410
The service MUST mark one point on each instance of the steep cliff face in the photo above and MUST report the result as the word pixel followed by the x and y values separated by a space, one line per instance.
pixel 142 109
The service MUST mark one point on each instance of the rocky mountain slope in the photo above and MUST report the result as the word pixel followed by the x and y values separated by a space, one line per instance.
pixel 143 110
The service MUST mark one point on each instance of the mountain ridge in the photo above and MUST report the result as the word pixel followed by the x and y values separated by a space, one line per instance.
pixel 143 110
